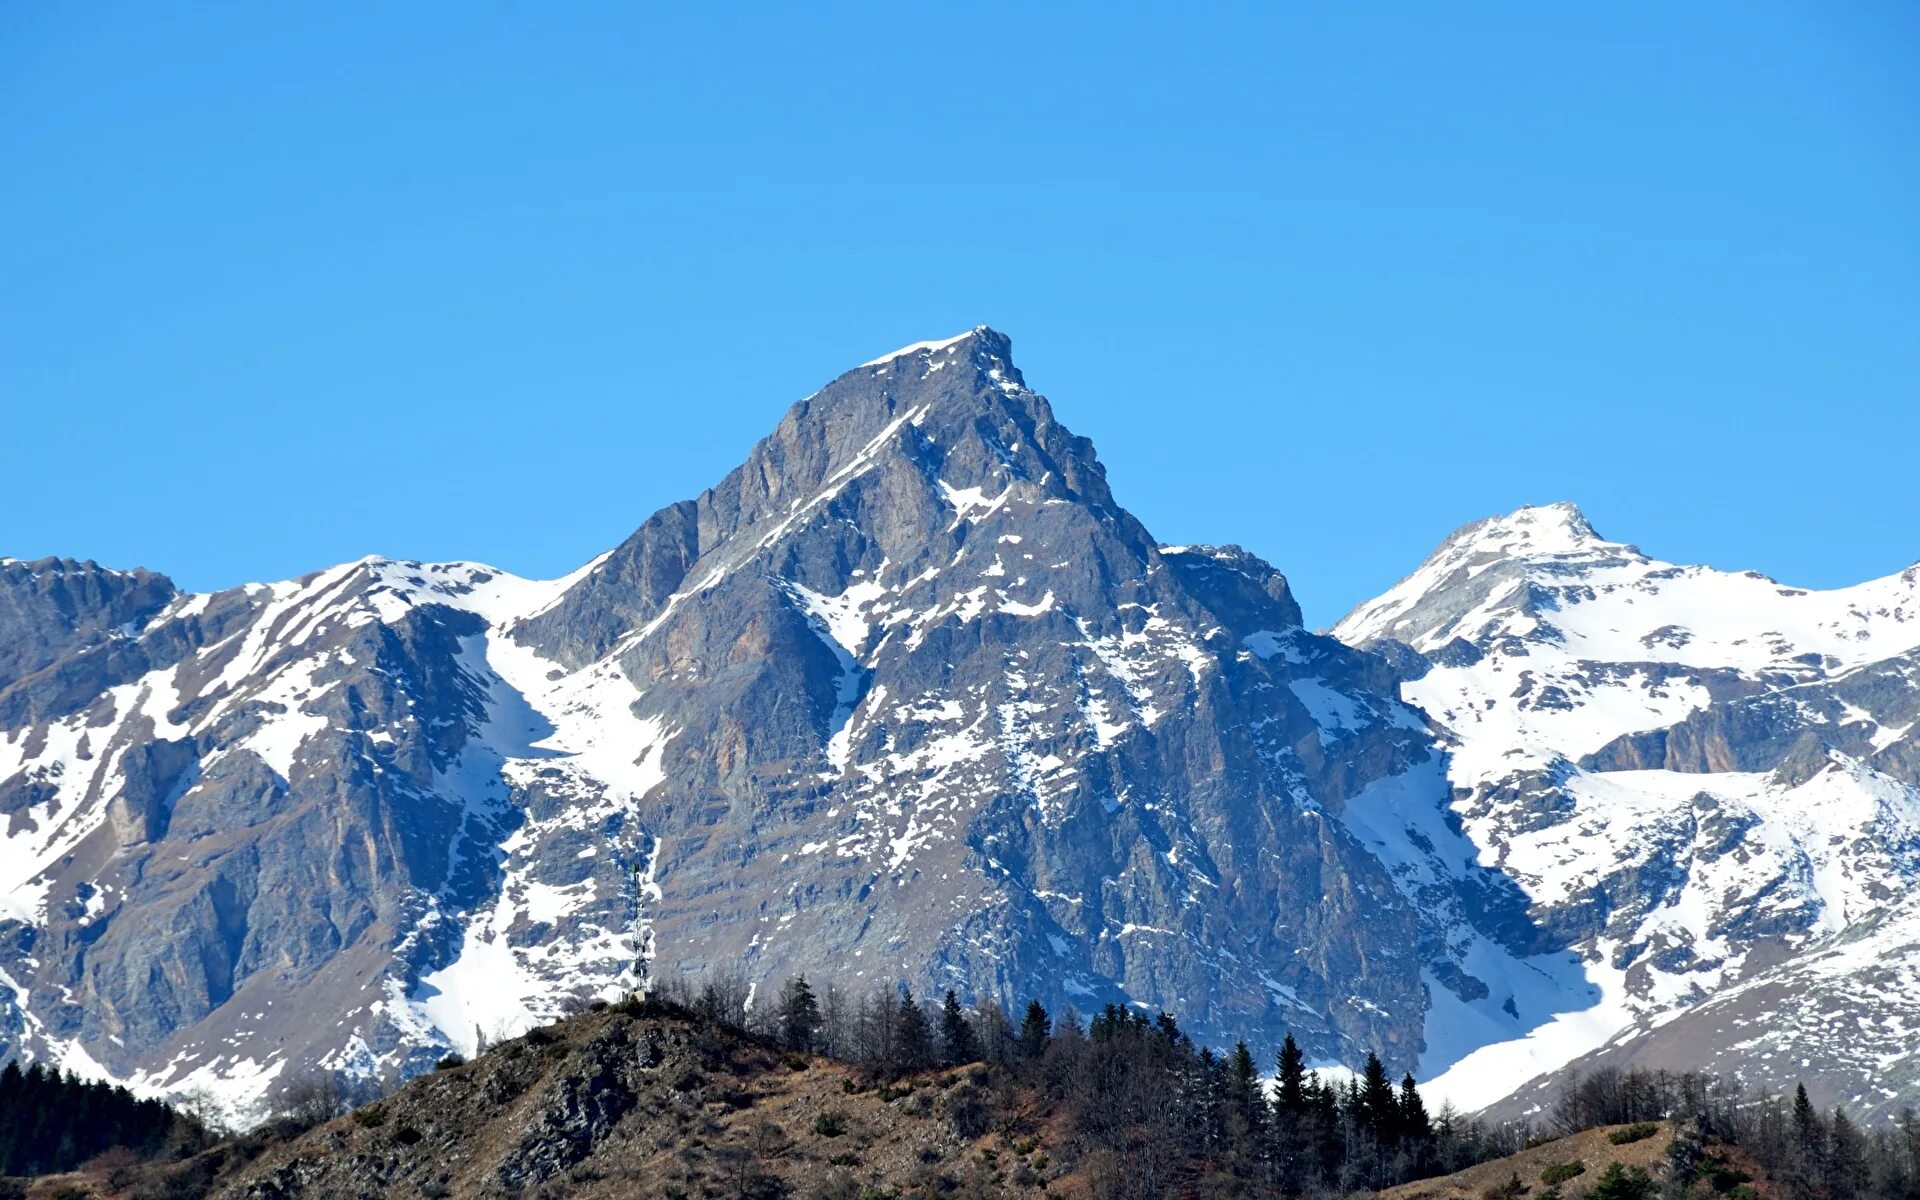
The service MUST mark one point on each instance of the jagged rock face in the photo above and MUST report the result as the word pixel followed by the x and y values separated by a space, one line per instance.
pixel 907 697
pixel 281 807
pixel 929 699
pixel 56 609
pixel 1702 780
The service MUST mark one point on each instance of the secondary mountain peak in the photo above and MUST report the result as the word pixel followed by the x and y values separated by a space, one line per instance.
pixel 1557 528
pixel 1481 568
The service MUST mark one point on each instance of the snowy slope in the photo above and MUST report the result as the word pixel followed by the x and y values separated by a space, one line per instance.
pixel 1694 774
pixel 280 690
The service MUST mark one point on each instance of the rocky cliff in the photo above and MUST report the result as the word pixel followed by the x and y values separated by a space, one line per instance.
pixel 908 696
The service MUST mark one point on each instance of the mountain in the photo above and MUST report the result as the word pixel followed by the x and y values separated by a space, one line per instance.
pixel 1707 783
pixel 908 696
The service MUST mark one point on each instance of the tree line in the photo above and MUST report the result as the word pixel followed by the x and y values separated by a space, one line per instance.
pixel 52 1121
pixel 1153 1111
pixel 1808 1154
pixel 1150 1108
pixel 1143 1108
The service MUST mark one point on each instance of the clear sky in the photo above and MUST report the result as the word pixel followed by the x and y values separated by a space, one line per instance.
pixel 285 284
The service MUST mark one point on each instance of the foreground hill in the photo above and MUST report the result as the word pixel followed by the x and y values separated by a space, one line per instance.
pixel 1594 1150
pixel 615 1104
pixel 649 1098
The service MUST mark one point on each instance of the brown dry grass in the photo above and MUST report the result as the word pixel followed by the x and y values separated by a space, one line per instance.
pixel 1589 1146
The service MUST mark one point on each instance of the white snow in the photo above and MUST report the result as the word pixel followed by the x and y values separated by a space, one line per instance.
pixel 917 347
pixel 1582 641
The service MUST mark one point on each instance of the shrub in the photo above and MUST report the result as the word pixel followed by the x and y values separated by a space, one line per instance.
pixel 1559 1173
pixel 1721 1176
pixel 1622 1183
pixel 407 1135
pixel 1509 1188
pixel 452 1060
pixel 1639 1131
pixel 966 1108
pixel 689 1081
pixel 830 1124
pixel 370 1116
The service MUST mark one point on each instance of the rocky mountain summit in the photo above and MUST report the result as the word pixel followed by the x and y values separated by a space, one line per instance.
pixel 909 697
pixel 1705 782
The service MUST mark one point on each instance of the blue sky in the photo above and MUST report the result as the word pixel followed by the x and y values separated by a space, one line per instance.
pixel 281 285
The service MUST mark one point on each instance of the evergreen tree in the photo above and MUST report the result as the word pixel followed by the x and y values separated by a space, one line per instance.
pixel 1622 1183
pixel 1243 1088
pixel 1808 1163
pixel 956 1032
pixel 1414 1122
pixel 913 1035
pixel 54 1121
pixel 1848 1175
pixel 1324 1103
pixel 1377 1108
pixel 1169 1029
pixel 1291 1070
pixel 1805 1120
pixel 1034 1030
pixel 799 1014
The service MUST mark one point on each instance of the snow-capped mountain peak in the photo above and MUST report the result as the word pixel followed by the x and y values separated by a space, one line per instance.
pixel 1688 770
pixel 1480 571
pixel 1533 529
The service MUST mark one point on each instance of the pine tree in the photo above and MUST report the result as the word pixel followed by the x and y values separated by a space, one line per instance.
pixel 1034 1030
pixel 1291 1069
pixel 53 1121
pixel 956 1032
pixel 1324 1101
pixel 1848 1175
pixel 1243 1087
pixel 1808 1164
pixel 1377 1108
pixel 1805 1120
pixel 1414 1122
pixel 799 1014
pixel 1622 1183
pixel 913 1035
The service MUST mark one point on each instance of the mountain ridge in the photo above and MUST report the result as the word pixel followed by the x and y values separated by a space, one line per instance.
pixel 909 691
